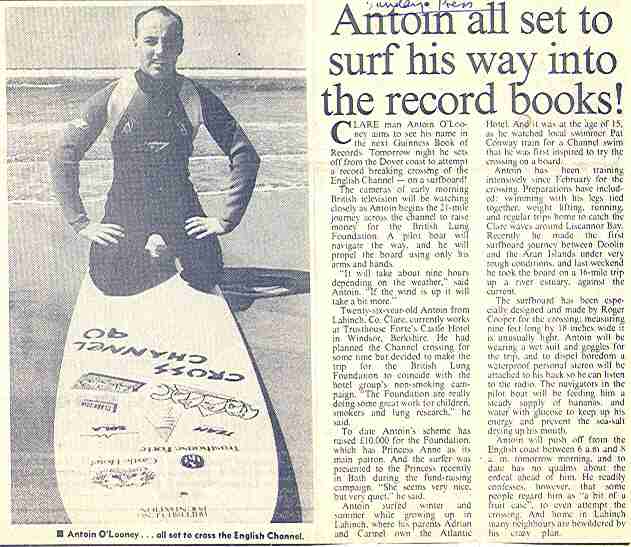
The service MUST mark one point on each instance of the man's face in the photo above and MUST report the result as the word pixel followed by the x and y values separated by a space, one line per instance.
pixel 158 45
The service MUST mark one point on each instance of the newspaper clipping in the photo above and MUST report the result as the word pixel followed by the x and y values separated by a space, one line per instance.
pixel 445 177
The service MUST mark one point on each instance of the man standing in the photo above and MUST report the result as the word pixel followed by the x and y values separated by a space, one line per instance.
pixel 151 118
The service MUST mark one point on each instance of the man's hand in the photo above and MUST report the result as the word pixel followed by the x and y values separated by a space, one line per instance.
pixel 200 227
pixel 103 234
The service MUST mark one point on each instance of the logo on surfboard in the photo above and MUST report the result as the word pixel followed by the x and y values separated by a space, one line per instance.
pixel 105 406
pixel 120 478
pixel 108 431
pixel 103 382
pixel 164 423
pixel 192 461
pixel 206 403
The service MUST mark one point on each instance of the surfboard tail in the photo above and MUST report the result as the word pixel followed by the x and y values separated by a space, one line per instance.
pixel 162 415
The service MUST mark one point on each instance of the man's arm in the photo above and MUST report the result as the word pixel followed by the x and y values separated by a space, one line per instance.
pixel 67 148
pixel 244 161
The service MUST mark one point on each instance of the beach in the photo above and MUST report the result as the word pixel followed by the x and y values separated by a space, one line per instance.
pixel 47 262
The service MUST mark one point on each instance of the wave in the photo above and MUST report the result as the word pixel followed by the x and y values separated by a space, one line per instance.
pixel 231 83
pixel 30 181
pixel 263 187
pixel 46 127
pixel 112 73
pixel 219 157
pixel 20 85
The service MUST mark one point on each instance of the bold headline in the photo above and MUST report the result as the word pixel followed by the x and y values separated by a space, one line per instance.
pixel 405 18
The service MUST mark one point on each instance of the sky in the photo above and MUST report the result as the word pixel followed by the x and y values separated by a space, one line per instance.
pixel 220 36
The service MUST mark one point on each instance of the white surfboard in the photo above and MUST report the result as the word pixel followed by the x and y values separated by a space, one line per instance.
pixel 161 415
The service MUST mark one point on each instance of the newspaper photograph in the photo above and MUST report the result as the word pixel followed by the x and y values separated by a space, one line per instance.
pixel 445 177
pixel 150 362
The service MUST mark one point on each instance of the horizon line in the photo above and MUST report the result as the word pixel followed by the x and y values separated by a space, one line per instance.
pixel 8 68
pixel 112 73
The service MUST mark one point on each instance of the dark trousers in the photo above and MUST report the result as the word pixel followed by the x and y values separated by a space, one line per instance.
pixel 126 268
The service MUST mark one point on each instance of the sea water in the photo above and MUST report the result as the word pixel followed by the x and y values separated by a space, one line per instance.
pixel 272 111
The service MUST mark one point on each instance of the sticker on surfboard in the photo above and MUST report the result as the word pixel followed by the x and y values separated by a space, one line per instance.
pixel 162 416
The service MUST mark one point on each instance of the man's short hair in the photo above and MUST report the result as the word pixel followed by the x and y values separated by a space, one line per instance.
pixel 164 11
